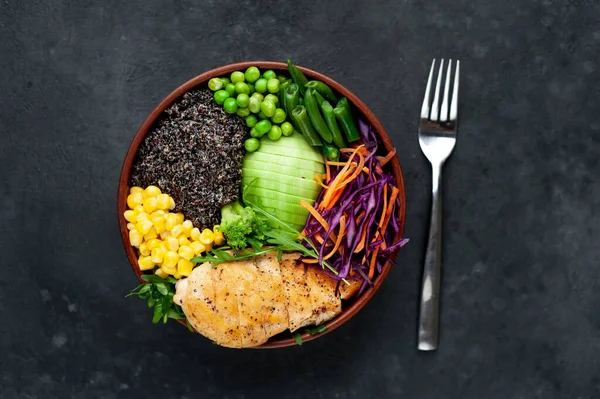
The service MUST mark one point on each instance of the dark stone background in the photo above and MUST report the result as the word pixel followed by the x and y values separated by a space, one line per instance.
pixel 521 310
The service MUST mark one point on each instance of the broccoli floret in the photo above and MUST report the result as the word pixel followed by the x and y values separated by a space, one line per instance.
pixel 238 223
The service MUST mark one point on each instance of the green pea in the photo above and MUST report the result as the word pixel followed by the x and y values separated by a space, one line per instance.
pixel 273 98
pixel 237 76
pixel 274 133
pixel 261 85
pixel 268 108
pixel 220 96
pixel 258 95
pixel 269 74
pixel 230 106
pixel 255 133
pixel 251 87
pixel 243 112
pixel 243 100
pixel 254 104
pixel 273 85
pixel 261 115
pixel 287 129
pixel 225 81
pixel 252 74
pixel 251 121
pixel 230 87
pixel 251 145
pixel 241 87
pixel 263 126
pixel 279 116
pixel 215 84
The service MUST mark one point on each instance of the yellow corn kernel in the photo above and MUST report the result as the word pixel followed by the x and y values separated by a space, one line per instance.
pixel 135 238
pixel 163 245
pixel 207 236
pixel 141 216
pixel 184 267
pixel 170 260
pixel 171 221
pixel 208 246
pixel 151 234
pixel 144 226
pixel 145 263
pixel 183 240
pixel 150 204
pixel 162 201
pixel 198 247
pixel 219 238
pixel 177 230
pixel 159 229
pixel 172 243
pixel 157 220
pixel 153 243
pixel 157 255
pixel 151 191
pixel 169 269
pixel 136 189
pixel 130 226
pixel 186 252
pixel 180 217
pixel 144 250
pixel 129 215
pixel 187 227
pixel 165 234
pixel 157 213
pixel 177 275
pixel 195 234
pixel 135 199
pixel 161 273
pixel 171 203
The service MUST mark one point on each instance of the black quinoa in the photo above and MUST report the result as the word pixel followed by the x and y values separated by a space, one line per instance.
pixel 194 153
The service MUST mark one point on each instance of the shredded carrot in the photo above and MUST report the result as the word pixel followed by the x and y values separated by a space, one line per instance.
pixel 373 261
pixel 318 179
pixel 360 216
pixel 332 163
pixel 384 210
pixel 319 218
pixel 339 238
pixel 328 169
pixel 310 260
pixel 361 243
pixel 354 175
pixel 386 159
pixel 393 197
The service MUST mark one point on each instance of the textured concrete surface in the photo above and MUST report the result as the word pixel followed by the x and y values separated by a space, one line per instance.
pixel 521 309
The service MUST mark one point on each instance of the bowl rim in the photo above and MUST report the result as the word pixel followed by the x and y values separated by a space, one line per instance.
pixel 124 179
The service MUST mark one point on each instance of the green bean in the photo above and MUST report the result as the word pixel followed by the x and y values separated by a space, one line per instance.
pixel 330 119
pixel 332 153
pixel 291 98
pixel 297 76
pixel 306 128
pixel 344 117
pixel 282 87
pixel 323 90
pixel 314 113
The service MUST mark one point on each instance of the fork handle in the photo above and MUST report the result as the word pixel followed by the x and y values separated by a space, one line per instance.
pixel 429 314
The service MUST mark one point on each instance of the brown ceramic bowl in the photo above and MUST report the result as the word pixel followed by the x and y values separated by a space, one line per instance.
pixel 350 308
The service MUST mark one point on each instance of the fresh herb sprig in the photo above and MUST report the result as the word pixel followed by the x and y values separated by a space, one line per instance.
pixel 297 335
pixel 159 292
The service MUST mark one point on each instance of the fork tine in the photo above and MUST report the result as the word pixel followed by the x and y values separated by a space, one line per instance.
pixel 444 111
pixel 454 104
pixel 436 97
pixel 425 107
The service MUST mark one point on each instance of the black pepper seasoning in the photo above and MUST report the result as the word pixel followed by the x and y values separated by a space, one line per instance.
pixel 194 153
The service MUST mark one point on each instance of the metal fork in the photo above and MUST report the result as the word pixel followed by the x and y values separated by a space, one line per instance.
pixel 437 137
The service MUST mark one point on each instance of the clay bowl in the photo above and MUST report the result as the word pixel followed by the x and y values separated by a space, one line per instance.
pixel 352 307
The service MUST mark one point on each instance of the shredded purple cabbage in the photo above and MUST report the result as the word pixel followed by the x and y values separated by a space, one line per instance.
pixel 363 194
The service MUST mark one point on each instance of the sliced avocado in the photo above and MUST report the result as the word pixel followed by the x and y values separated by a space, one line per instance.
pixel 285 160
pixel 276 195
pixel 268 147
pixel 290 171
pixel 261 183
pixel 293 182
pixel 270 203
